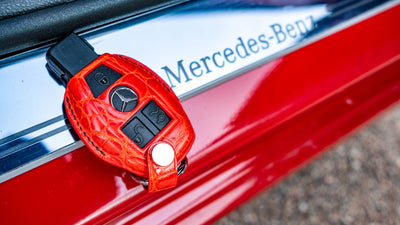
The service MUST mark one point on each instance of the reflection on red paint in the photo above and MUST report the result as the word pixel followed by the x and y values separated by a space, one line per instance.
pixel 251 131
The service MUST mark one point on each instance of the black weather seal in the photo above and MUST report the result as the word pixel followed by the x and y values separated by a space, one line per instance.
pixel 43 26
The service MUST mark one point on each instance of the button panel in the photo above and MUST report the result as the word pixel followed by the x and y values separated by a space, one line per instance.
pixel 146 124
pixel 156 115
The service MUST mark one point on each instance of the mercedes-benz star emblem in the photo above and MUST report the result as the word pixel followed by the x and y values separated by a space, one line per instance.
pixel 123 99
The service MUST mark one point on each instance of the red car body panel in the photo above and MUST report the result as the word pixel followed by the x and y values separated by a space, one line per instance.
pixel 251 132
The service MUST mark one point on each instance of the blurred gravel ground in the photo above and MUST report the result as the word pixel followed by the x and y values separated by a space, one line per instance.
pixel 357 182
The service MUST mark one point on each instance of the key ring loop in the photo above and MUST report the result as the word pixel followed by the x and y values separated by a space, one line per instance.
pixel 145 182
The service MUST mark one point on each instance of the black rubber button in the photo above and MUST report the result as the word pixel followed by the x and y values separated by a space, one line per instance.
pixel 100 79
pixel 156 115
pixel 138 132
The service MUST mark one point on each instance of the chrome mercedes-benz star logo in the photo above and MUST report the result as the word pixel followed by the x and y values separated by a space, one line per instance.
pixel 123 99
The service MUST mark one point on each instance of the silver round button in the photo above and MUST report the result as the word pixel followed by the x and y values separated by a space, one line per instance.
pixel 163 154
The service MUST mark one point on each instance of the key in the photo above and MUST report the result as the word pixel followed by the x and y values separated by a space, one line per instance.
pixel 123 112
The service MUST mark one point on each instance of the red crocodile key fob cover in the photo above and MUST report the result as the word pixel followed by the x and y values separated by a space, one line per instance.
pixel 101 127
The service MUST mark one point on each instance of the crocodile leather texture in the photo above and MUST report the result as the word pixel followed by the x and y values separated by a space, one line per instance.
pixel 99 125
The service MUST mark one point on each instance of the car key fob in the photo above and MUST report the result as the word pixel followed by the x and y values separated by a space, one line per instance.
pixel 123 112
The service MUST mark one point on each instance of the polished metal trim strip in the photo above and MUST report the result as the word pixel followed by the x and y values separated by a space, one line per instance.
pixel 317 37
pixel 22 146
pixel 30 130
